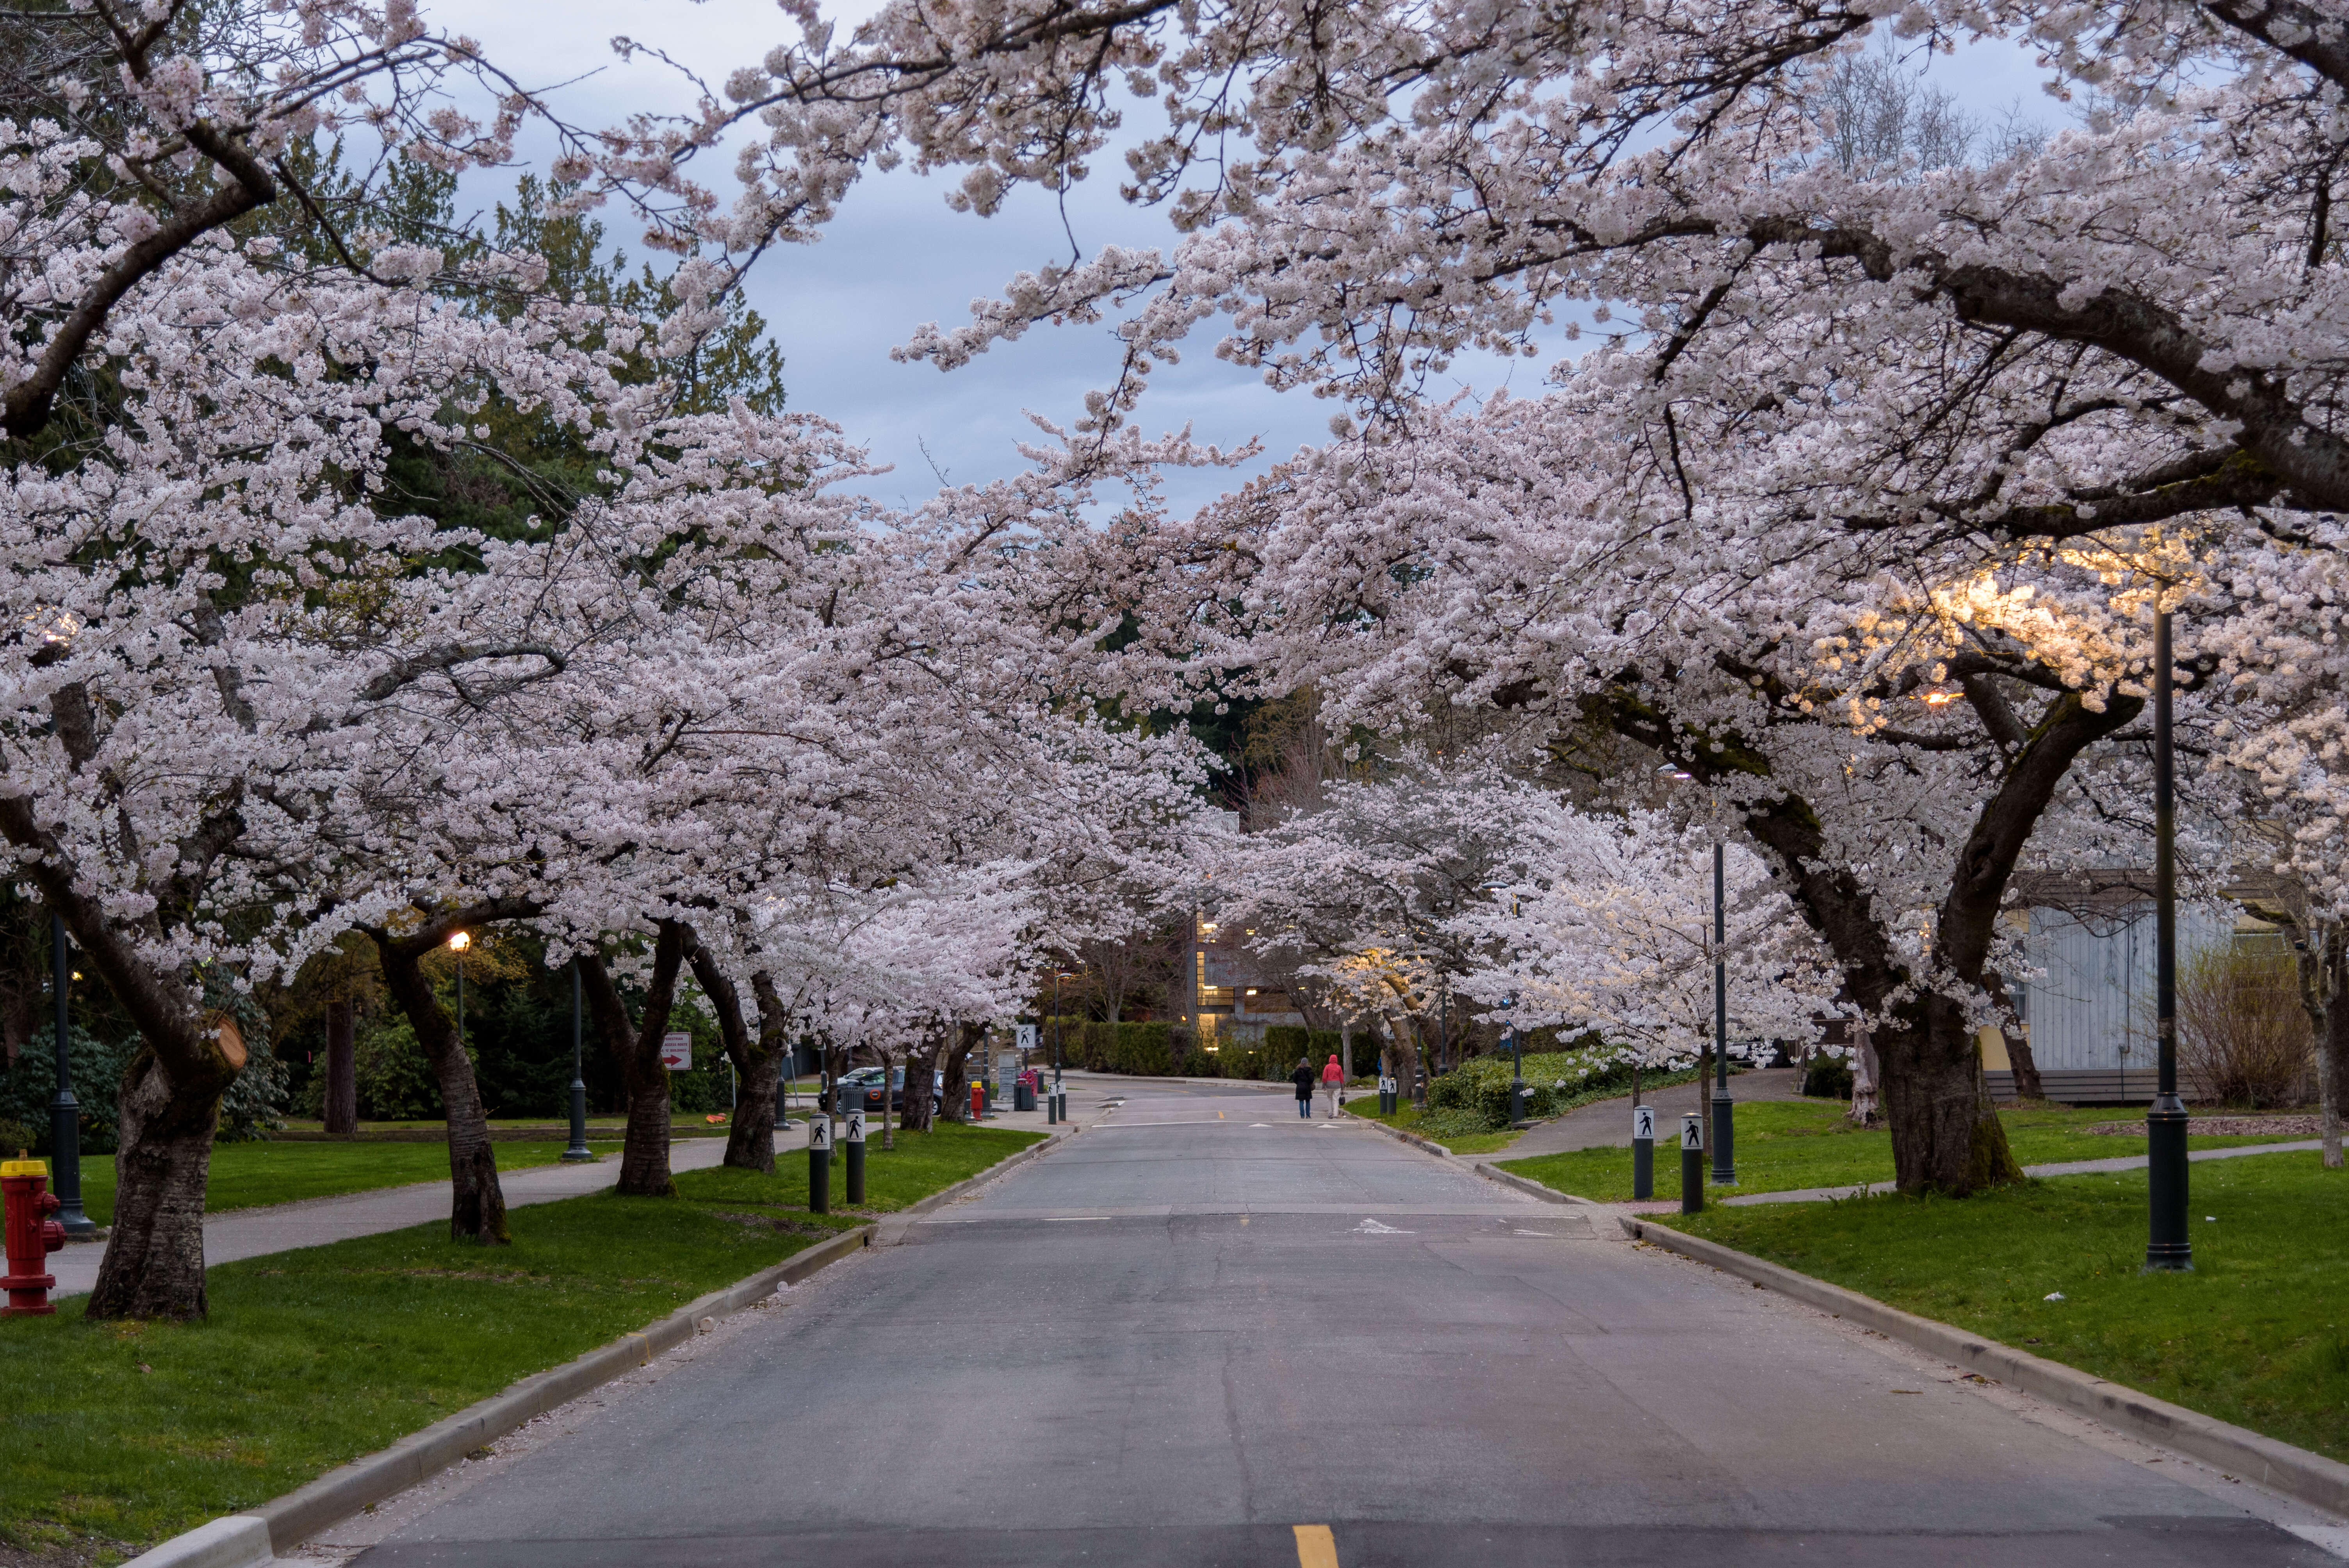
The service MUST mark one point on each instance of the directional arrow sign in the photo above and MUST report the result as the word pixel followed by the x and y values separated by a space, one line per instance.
pixel 677 1051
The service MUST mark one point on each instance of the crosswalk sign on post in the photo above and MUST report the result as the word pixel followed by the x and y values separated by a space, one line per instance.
pixel 1026 1035
pixel 855 1133
pixel 820 1133
pixel 1643 1122
pixel 1691 1133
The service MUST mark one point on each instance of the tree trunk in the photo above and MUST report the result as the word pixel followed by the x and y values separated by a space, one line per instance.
pixel 957 1094
pixel 1406 1050
pixel 2027 1085
pixel 342 1068
pixel 1864 1107
pixel 921 1072
pixel 477 1203
pixel 636 1050
pixel 154 1262
pixel 1346 1044
pixel 888 1068
pixel 168 1105
pixel 1704 1096
pixel 758 1063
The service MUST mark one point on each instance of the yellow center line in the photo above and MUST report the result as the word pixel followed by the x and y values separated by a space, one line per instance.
pixel 1316 1547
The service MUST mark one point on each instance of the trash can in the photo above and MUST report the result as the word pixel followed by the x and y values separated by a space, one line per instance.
pixel 1023 1097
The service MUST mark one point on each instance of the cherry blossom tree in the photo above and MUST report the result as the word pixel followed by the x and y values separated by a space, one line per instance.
pixel 1611 931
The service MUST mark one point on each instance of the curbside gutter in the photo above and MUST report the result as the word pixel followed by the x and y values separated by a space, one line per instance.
pixel 946 1195
pixel 1527 1184
pixel 2296 1473
pixel 246 1540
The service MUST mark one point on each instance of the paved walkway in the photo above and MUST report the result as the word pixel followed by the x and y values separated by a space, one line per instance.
pixel 1606 1122
pixel 283 1227
pixel 2057 1167
pixel 314 1222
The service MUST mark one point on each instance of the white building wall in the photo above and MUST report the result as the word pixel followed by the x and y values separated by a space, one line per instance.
pixel 2091 1009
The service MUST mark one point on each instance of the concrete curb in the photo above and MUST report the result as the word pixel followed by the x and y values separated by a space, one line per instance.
pixel 244 1540
pixel 2296 1473
pixel 1413 1138
pixel 1527 1184
pixel 230 1542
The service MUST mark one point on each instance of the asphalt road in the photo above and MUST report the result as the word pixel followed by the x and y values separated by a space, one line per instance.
pixel 1202 1324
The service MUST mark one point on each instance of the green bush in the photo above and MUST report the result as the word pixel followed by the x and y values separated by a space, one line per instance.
pixel 30 1083
pixel 1827 1078
pixel 16 1138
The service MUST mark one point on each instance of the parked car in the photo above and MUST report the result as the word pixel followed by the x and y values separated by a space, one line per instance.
pixel 863 1086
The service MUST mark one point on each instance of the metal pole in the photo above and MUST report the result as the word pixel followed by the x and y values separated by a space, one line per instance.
pixel 65 1111
pixel 1516 1076
pixel 2167 1247
pixel 578 1149
pixel 1724 1128
pixel 1691 1163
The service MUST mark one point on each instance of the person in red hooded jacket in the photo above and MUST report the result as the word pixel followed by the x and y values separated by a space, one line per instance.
pixel 1333 1081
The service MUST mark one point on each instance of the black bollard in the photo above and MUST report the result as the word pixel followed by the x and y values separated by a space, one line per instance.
pixel 1691 1163
pixel 1643 1152
pixel 818 1164
pixel 855 1141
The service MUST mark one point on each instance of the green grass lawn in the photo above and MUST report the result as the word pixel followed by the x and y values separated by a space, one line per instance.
pixel 120 1434
pixel 2257 1335
pixel 1783 1145
pixel 917 1167
pixel 247 1175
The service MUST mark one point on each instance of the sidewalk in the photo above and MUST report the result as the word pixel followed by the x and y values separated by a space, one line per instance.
pixel 2057 1167
pixel 283 1227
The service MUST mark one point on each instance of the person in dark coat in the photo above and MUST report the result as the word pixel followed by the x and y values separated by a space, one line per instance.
pixel 1303 1079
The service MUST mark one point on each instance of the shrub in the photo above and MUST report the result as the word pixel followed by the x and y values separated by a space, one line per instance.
pixel 16 1138
pixel 29 1084
pixel 1827 1078
pixel 2241 1031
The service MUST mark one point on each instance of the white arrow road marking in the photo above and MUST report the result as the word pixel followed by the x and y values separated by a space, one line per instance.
pixel 1532 1233
pixel 1370 1227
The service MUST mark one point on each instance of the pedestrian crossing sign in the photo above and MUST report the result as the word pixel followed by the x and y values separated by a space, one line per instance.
pixel 1692 1134
pixel 1643 1122
pixel 820 1133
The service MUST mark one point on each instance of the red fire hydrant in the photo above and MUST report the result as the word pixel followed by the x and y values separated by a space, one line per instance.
pixel 32 1236
pixel 978 1101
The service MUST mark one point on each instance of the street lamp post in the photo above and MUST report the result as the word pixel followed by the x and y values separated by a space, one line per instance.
pixel 1516 1070
pixel 65 1110
pixel 1724 1123
pixel 1725 1112
pixel 2167 1247
pixel 578 1151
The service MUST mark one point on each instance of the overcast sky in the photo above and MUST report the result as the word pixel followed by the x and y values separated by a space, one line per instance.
pixel 897 257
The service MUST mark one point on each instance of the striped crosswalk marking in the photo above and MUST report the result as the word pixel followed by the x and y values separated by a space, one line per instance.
pixel 1316 1547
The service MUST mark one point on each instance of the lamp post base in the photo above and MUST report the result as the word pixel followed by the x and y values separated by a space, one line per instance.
pixel 578 1152
pixel 64 1159
pixel 1724 1138
pixel 2168 1250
